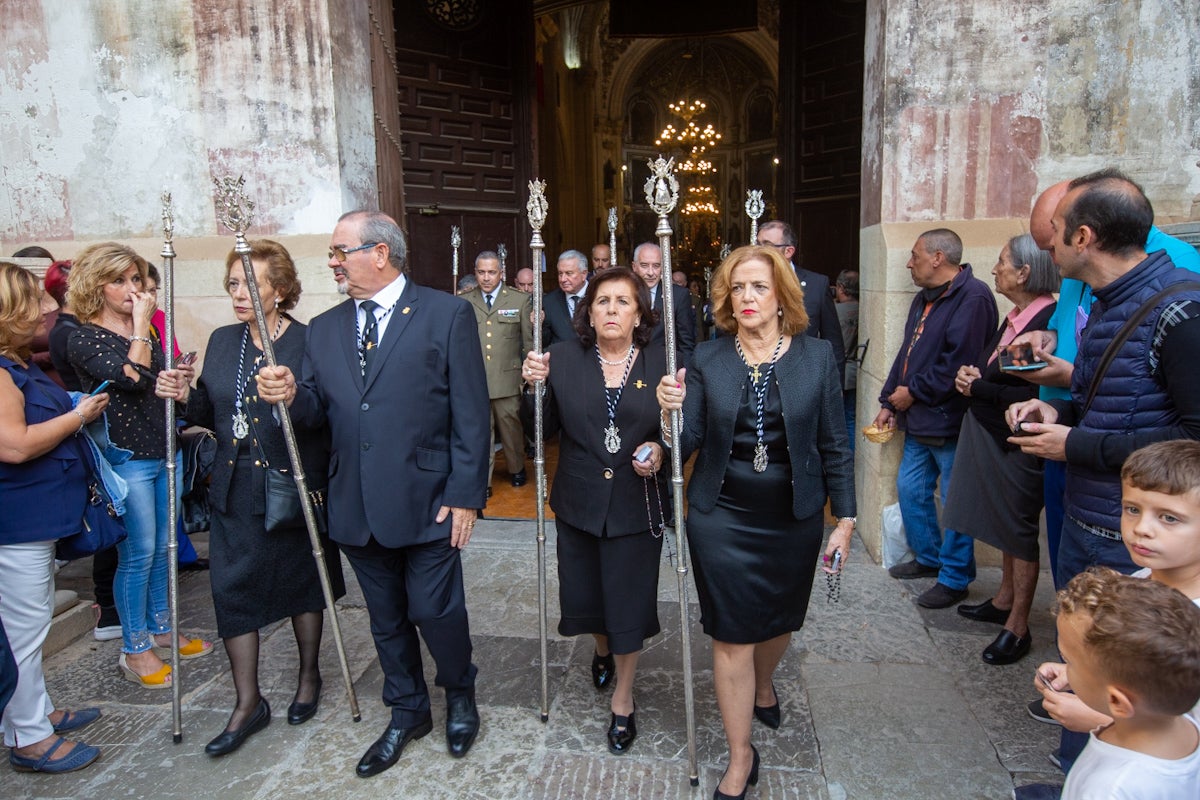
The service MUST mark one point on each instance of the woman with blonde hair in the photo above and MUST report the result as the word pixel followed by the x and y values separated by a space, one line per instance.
pixel 764 408
pixel 117 343
pixel 44 483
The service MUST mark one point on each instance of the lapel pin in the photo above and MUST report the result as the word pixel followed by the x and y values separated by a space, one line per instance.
pixel 405 310
pixel 638 383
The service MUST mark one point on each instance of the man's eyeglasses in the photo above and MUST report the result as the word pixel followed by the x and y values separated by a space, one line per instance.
pixel 341 253
pixel 777 246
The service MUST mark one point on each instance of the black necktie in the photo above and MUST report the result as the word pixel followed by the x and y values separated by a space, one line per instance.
pixel 370 336
pixel 488 299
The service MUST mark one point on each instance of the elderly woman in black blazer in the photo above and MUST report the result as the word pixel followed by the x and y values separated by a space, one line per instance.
pixel 608 502
pixel 764 408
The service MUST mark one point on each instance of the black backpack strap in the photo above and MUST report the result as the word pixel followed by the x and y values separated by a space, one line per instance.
pixel 1118 341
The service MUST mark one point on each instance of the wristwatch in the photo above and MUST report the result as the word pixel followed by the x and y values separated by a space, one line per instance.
pixel 853 521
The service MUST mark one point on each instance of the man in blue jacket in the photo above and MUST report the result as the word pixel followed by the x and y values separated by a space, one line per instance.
pixel 948 325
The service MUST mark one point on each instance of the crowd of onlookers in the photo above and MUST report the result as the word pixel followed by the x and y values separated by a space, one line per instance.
pixel 1080 405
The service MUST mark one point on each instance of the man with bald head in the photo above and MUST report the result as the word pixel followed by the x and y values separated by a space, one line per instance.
pixel 524 280
pixel 601 257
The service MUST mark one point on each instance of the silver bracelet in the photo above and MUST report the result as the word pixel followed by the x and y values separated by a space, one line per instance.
pixel 149 342
pixel 82 420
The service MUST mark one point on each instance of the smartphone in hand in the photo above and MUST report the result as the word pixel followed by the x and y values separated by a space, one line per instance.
pixel 99 389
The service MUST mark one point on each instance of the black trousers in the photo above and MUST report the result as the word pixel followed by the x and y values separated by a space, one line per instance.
pixel 411 589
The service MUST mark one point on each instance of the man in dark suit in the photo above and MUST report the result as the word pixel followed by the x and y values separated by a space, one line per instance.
pixel 505 335
pixel 818 302
pixel 647 265
pixel 558 306
pixel 397 376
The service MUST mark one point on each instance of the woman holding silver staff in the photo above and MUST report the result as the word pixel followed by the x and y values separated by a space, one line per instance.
pixel 764 408
pixel 117 346
pixel 258 576
pixel 608 490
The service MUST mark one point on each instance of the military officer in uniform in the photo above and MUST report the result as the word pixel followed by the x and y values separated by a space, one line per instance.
pixel 505 334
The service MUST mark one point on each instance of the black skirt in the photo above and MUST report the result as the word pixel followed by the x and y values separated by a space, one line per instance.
pixel 259 577
pixel 608 586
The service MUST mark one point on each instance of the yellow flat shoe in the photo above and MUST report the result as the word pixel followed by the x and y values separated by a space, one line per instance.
pixel 195 648
pixel 155 680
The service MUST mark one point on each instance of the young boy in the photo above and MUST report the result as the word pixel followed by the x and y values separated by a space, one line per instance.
pixel 1132 649
pixel 1160 524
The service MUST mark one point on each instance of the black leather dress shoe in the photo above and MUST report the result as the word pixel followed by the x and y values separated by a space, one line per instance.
pixel 770 716
pixel 984 612
pixel 941 596
pixel 519 478
pixel 1008 648
pixel 229 741
pixel 621 733
pixel 604 669
pixel 300 713
pixel 462 723
pixel 386 750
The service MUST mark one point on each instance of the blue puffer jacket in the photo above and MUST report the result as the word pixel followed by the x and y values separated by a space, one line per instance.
pixel 958 326
pixel 1129 397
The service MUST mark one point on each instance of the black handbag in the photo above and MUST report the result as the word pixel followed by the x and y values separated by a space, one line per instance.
pixel 100 528
pixel 282 508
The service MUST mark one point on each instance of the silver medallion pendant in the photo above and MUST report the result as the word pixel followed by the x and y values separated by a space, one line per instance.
pixel 612 438
pixel 241 425
pixel 760 457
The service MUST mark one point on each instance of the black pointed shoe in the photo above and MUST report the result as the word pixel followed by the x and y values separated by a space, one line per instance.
pixel 770 716
pixel 621 733
pixel 385 751
pixel 984 612
pixel 1008 648
pixel 604 669
pixel 300 713
pixel 752 780
pixel 229 741
pixel 462 722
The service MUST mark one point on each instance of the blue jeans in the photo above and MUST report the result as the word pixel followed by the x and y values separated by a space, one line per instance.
pixel 140 585
pixel 953 553
pixel 1054 483
pixel 1077 551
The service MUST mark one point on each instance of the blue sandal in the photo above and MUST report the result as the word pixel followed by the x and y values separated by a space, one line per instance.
pixel 80 757
pixel 74 720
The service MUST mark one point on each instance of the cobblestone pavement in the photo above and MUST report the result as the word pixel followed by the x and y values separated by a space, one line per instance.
pixel 881 699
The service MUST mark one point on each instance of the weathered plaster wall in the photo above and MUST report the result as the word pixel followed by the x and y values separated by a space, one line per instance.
pixel 104 104
pixel 972 106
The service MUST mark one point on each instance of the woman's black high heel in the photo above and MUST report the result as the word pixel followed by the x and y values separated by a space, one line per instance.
pixel 751 780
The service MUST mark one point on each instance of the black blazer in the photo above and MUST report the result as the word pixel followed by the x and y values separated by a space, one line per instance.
pixel 211 405
pixel 413 438
pixel 814 423
pixel 557 324
pixel 822 313
pixel 685 324
pixel 594 490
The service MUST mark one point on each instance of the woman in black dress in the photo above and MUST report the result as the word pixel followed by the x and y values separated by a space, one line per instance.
pixel 764 408
pixel 258 577
pixel 608 505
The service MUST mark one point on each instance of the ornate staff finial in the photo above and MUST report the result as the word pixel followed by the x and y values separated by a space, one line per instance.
pixel 502 251
pixel 754 209
pixel 726 249
pixel 455 237
pixel 612 219
pixel 537 206
pixel 234 210
pixel 168 216
pixel 662 190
